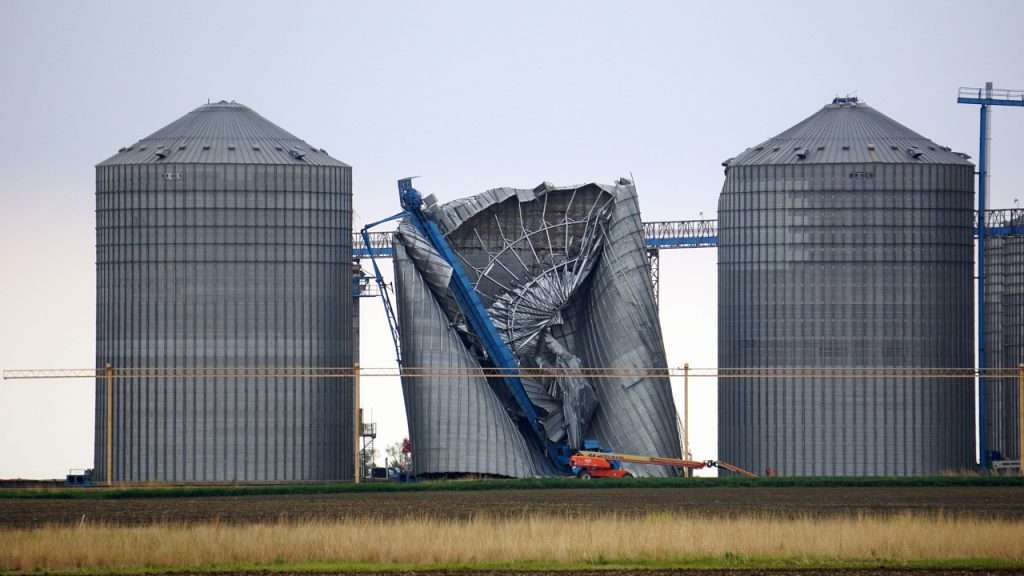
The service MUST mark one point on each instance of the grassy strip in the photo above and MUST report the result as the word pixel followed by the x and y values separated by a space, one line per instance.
pixel 525 484
pixel 727 562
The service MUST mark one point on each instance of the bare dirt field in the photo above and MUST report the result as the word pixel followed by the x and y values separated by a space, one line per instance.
pixel 677 572
pixel 989 502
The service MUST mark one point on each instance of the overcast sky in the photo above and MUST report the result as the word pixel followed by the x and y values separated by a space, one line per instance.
pixel 467 95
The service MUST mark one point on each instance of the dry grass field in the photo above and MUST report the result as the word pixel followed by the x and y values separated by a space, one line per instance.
pixel 653 540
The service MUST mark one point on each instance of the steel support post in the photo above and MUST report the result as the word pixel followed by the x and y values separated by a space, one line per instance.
pixel 982 233
pixel 358 428
pixel 654 260
pixel 108 377
pixel 686 415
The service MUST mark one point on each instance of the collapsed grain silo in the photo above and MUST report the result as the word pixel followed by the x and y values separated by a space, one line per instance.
pixel 845 242
pixel 224 241
pixel 1004 341
pixel 564 276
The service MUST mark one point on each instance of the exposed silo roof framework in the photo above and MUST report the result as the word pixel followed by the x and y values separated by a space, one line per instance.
pixel 224 241
pixel 845 242
pixel 563 274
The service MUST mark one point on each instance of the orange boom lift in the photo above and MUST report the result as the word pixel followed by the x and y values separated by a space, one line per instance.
pixel 593 464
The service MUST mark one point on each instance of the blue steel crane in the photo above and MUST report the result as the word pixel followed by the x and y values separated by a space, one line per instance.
pixel 389 310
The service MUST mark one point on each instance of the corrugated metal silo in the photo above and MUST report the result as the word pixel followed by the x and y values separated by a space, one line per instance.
pixel 224 241
pixel 565 278
pixel 1004 333
pixel 845 242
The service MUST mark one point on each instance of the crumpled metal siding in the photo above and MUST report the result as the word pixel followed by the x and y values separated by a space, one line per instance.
pixel 621 329
pixel 606 317
pixel 218 267
pixel 457 425
pixel 1004 333
pixel 846 266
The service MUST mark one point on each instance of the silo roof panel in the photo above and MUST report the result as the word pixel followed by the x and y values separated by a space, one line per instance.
pixel 848 132
pixel 222 133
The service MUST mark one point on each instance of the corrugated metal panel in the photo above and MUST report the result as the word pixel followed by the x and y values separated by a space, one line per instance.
pixel 848 133
pixel 1004 331
pixel 457 424
pixel 846 265
pixel 222 133
pixel 356 274
pixel 564 274
pixel 223 266
pixel 621 329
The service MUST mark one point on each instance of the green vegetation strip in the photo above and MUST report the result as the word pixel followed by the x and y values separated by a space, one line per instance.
pixel 178 491
pixel 727 562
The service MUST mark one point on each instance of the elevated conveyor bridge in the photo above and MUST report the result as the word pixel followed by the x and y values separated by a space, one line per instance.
pixel 678 234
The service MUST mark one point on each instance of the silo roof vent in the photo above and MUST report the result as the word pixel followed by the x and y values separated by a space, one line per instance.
pixel 297 154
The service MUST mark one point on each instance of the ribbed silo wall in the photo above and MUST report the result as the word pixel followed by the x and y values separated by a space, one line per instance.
pixel 846 266
pixel 640 415
pixel 457 424
pixel 1004 329
pixel 355 311
pixel 219 266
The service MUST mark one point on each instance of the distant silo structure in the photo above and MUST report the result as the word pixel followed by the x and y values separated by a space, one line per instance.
pixel 224 241
pixel 846 242
pixel 1004 340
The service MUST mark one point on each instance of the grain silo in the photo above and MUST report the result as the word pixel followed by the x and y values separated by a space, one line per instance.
pixel 845 242
pixel 564 276
pixel 224 241
pixel 1004 341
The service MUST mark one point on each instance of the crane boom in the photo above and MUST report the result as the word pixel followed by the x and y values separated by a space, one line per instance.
pixel 640 459
pixel 606 464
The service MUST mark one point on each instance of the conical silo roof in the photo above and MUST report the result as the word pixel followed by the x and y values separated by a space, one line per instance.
pixel 222 133
pixel 847 131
